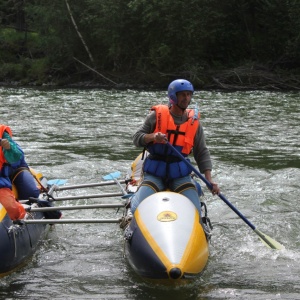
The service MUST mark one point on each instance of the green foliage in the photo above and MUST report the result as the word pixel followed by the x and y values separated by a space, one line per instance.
pixel 37 70
pixel 147 36
pixel 11 71
pixel 12 43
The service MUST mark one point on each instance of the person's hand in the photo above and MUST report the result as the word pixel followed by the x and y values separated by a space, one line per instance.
pixel 160 138
pixel 215 189
pixel 5 144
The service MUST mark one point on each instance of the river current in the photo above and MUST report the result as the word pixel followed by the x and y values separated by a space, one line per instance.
pixel 83 134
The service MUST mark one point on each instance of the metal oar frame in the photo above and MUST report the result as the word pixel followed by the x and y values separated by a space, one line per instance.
pixel 75 207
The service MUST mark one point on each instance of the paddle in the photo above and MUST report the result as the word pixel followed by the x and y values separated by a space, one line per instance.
pixel 127 215
pixel 56 182
pixel 114 176
pixel 268 241
pixel 59 182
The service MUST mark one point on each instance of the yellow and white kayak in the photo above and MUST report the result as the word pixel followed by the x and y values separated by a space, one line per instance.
pixel 165 238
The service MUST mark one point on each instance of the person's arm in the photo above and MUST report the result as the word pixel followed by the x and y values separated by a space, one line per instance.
pixel 144 135
pixel 201 152
pixel 12 152
pixel 202 158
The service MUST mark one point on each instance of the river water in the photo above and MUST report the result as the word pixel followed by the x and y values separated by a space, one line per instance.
pixel 81 135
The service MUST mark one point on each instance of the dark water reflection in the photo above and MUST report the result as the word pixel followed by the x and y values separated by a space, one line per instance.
pixel 81 135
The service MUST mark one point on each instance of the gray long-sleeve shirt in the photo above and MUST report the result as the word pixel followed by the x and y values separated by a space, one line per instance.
pixel 200 150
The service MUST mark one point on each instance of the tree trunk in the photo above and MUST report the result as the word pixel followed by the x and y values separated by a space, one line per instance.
pixel 79 34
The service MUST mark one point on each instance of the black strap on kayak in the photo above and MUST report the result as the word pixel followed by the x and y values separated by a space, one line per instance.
pixel 184 187
pixel 150 184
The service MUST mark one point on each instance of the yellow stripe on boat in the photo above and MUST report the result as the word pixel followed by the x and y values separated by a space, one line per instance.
pixel 2 212
pixel 155 247
pixel 196 254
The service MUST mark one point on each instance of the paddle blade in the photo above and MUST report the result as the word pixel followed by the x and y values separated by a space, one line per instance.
pixel 57 182
pixel 268 241
pixel 112 176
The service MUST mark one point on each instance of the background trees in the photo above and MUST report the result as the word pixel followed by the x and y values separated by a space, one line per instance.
pixel 149 41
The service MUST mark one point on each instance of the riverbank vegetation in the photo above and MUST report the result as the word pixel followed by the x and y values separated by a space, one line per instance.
pixel 233 44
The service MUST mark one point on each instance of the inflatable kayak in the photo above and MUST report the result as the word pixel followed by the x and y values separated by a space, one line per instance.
pixel 167 240
pixel 18 240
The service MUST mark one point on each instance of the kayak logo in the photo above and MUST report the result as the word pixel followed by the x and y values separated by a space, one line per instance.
pixel 167 216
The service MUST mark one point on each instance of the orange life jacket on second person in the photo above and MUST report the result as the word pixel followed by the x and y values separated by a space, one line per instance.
pixel 4 180
pixel 8 170
pixel 162 161
pixel 3 128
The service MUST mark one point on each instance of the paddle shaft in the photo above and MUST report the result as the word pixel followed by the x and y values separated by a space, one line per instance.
pixel 209 185
pixel 124 193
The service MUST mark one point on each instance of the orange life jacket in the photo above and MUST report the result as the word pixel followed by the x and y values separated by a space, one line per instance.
pixel 178 135
pixel 162 161
pixel 3 128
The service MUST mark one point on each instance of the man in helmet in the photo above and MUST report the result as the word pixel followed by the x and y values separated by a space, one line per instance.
pixel 181 127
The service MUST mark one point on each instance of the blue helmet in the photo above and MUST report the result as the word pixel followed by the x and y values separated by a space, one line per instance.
pixel 176 86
